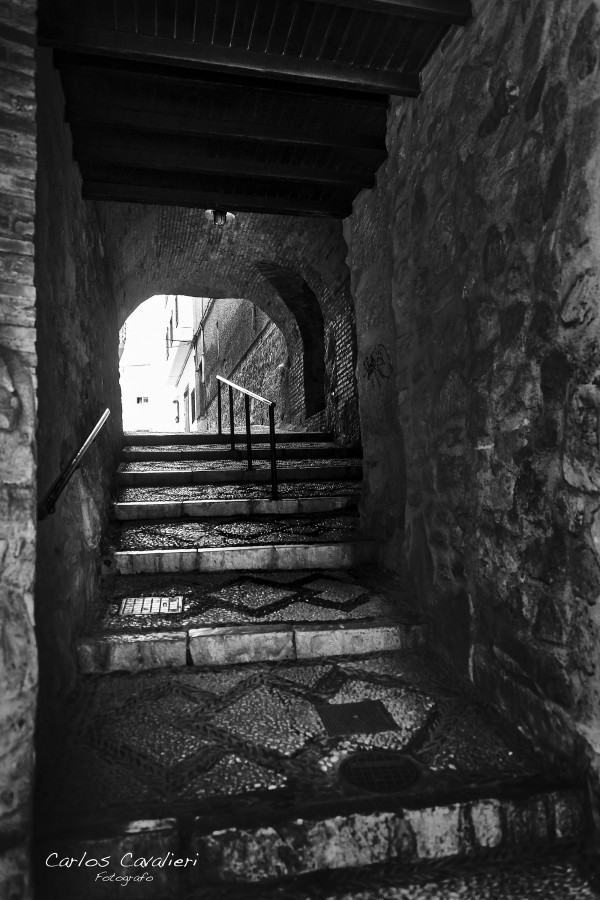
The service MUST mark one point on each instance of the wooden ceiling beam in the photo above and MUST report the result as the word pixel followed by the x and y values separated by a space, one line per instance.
pixel 228 59
pixel 101 152
pixel 163 72
pixel 451 12
pixel 173 196
pixel 159 121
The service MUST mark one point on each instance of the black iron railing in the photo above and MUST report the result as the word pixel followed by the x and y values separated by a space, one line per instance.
pixel 48 504
pixel 270 403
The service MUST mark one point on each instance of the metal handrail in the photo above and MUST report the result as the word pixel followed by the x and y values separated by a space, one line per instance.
pixel 48 504
pixel 270 403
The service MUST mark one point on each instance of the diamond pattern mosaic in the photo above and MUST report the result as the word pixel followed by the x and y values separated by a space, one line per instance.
pixel 234 597
pixel 162 535
pixel 211 736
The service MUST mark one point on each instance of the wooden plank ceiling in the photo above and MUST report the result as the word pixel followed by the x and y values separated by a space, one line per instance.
pixel 248 105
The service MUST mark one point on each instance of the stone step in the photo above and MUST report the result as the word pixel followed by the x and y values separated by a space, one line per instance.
pixel 412 835
pixel 411 854
pixel 237 644
pixel 234 474
pixel 222 618
pixel 258 436
pixel 224 452
pixel 267 557
pixel 237 769
pixel 173 509
pixel 251 491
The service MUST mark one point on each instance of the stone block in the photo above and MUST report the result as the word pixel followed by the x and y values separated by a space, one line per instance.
pixel 148 510
pixel 312 642
pixel 131 562
pixel 569 814
pixel 232 558
pixel 437 830
pixel 132 652
pixel 226 646
pixel 486 820
pixel 224 508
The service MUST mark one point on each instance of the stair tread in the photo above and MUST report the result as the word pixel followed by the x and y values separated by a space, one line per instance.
pixel 244 734
pixel 225 446
pixel 287 490
pixel 557 877
pixel 259 433
pixel 177 534
pixel 251 598
pixel 177 465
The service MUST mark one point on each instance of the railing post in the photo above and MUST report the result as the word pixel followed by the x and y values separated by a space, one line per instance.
pixel 248 437
pixel 231 418
pixel 219 411
pixel 274 494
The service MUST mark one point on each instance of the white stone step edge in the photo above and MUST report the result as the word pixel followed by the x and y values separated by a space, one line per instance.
pixel 173 509
pixel 412 835
pixel 238 644
pixel 419 834
pixel 277 557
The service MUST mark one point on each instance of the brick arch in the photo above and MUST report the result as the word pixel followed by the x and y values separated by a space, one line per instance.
pixel 303 305
pixel 292 268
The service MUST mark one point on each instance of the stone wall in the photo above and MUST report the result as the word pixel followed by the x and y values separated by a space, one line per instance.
pixel 78 379
pixel 282 264
pixel 486 223
pixel 18 657
pixel 254 354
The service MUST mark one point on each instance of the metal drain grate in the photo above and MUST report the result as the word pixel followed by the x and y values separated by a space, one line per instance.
pixel 380 771
pixel 150 606
pixel 364 717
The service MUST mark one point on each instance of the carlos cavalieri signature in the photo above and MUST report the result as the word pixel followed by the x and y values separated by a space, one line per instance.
pixel 127 861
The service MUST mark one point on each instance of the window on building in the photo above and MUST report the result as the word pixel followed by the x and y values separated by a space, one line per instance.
pixel 176 310
pixel 167 341
pixel 193 399
pixel 142 399
pixel 171 330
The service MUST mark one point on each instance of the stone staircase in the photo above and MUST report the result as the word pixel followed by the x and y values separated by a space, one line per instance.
pixel 257 713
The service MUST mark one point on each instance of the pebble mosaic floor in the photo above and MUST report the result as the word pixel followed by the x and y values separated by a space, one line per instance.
pixel 226 446
pixel 547 879
pixel 212 738
pixel 287 491
pixel 177 533
pixel 176 465
pixel 250 597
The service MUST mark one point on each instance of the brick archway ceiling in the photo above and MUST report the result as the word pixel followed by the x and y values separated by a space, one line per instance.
pixel 251 105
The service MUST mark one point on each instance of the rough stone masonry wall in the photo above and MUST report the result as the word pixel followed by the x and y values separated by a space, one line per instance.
pixel 78 379
pixel 18 657
pixel 487 222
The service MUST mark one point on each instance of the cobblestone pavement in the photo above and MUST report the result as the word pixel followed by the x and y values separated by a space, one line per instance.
pixel 226 446
pixel 158 535
pixel 212 737
pixel 287 490
pixel 251 597
pixel 557 877
pixel 234 465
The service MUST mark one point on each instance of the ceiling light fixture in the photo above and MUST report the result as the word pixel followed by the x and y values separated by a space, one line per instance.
pixel 220 217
